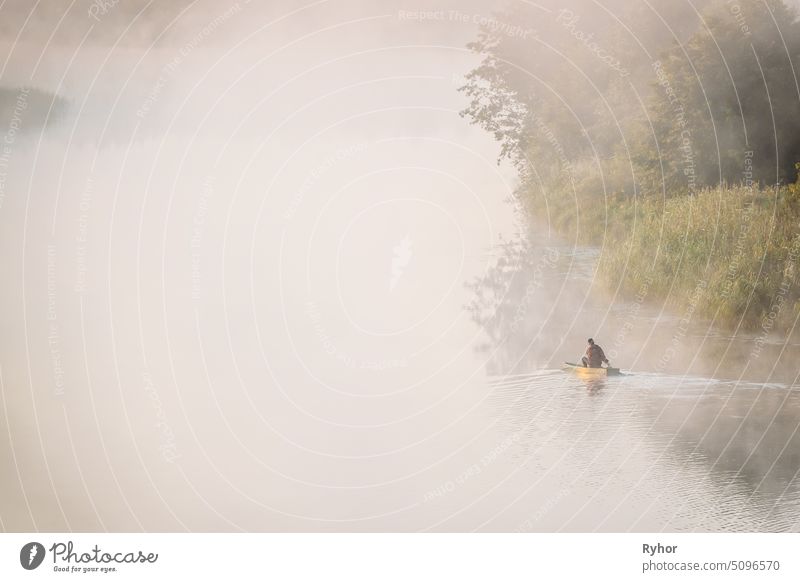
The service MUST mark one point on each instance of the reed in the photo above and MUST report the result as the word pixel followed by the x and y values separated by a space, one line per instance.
pixel 729 252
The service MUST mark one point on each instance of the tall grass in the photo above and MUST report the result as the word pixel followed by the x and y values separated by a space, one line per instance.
pixel 729 252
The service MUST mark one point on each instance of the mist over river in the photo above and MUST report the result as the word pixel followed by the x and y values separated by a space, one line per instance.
pixel 260 275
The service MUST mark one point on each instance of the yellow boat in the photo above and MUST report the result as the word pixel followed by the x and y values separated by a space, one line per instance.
pixel 589 373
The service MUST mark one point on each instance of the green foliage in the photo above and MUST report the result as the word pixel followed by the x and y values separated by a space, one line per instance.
pixel 793 191
pixel 726 104
pixel 723 106
pixel 679 169
pixel 739 242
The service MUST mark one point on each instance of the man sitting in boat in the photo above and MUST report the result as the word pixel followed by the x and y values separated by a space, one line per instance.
pixel 594 356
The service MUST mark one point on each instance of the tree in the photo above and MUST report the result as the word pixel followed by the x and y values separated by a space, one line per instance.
pixel 725 106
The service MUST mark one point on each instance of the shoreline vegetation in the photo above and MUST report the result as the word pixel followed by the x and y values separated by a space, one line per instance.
pixel 683 170
pixel 730 253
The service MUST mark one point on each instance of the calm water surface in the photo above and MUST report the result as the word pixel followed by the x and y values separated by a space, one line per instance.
pixel 648 452
pixel 700 434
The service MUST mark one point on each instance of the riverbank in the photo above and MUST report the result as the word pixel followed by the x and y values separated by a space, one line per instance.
pixel 646 166
pixel 729 253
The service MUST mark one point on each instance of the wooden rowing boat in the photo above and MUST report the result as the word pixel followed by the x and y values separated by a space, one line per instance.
pixel 589 373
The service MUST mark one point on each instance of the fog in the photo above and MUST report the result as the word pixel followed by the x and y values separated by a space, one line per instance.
pixel 209 324
pixel 239 262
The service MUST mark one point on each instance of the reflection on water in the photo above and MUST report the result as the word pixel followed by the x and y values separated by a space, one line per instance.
pixel 652 453
pixel 660 448
pixel 540 301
